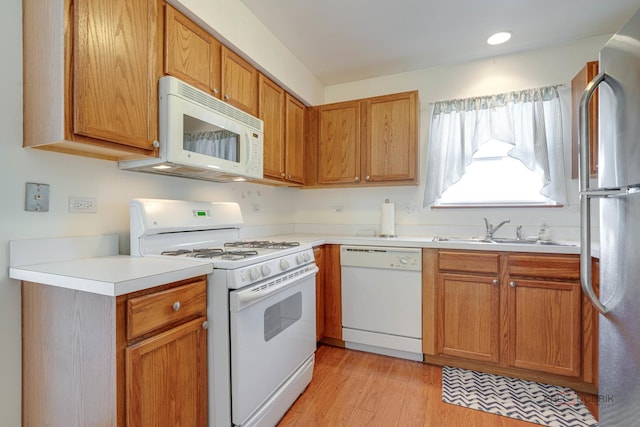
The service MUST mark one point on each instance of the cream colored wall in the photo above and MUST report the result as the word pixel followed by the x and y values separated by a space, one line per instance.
pixel 361 207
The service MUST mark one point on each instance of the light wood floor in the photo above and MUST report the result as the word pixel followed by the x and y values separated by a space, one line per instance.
pixel 351 388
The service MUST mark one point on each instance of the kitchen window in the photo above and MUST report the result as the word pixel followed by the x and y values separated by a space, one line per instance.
pixel 499 150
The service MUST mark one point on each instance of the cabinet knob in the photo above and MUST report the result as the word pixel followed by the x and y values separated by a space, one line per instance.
pixel 368 178
pixel 495 282
pixel 176 306
pixel 205 325
pixel 227 97
pixel 356 179
pixel 215 90
pixel 155 144
pixel 283 174
pixel 289 177
pixel 513 284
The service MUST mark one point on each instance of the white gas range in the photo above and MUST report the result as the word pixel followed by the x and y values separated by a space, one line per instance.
pixel 261 305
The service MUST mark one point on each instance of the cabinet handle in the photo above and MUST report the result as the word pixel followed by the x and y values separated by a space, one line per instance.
pixel 227 97
pixel 176 306
pixel 495 282
pixel 205 325
pixel 513 284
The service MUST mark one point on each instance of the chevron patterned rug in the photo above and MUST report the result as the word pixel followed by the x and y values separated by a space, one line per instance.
pixel 538 403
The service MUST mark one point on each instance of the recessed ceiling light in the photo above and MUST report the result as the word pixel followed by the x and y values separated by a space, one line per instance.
pixel 499 38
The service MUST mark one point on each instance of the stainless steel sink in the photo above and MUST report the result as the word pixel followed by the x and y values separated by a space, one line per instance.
pixel 501 240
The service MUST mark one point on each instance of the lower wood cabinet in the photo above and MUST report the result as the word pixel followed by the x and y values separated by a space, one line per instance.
pixel 519 314
pixel 331 302
pixel 135 360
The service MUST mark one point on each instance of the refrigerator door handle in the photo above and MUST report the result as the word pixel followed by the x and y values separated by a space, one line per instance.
pixel 584 138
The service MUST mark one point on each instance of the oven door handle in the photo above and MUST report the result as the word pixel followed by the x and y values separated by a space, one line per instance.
pixel 244 298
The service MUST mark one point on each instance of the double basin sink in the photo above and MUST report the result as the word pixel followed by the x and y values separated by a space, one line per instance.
pixel 501 240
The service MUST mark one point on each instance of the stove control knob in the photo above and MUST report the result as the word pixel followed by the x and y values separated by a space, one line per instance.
pixel 265 270
pixel 306 256
pixel 299 259
pixel 254 274
pixel 284 264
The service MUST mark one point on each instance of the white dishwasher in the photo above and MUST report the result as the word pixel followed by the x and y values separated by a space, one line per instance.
pixel 382 300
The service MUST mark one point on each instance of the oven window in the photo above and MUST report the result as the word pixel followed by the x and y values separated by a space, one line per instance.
pixel 281 315
pixel 210 140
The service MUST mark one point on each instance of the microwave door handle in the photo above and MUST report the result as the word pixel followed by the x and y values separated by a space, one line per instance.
pixel 584 138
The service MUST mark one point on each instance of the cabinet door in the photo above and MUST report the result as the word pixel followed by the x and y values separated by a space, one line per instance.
pixel 190 53
pixel 390 148
pixel 468 316
pixel 294 137
pixel 166 378
pixel 339 143
pixel 318 253
pixel 239 82
pixel 332 293
pixel 544 326
pixel 115 78
pixel 578 85
pixel 271 111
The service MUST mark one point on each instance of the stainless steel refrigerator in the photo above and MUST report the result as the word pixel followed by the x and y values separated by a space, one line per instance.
pixel 618 195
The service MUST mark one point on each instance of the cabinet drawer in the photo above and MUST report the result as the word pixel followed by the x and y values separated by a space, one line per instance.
pixel 472 262
pixel 150 312
pixel 550 266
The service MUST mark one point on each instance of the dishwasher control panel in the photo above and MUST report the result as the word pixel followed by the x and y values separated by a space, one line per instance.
pixel 381 257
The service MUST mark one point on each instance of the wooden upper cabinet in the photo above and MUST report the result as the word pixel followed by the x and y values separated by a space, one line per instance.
pixel 294 140
pixel 239 82
pixel 371 141
pixel 190 53
pixel 578 85
pixel 271 111
pixel 90 77
pixel 390 149
pixel 339 143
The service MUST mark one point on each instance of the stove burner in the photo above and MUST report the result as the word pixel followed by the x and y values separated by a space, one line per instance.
pixel 206 253
pixel 176 253
pixel 261 244
pixel 233 255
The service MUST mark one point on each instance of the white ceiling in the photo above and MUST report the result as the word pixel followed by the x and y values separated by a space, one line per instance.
pixel 347 40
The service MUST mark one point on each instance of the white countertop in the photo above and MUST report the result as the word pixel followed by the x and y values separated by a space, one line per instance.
pixel 100 270
pixel 110 275
pixel 423 242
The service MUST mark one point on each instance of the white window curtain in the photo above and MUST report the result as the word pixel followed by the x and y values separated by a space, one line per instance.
pixel 222 144
pixel 530 120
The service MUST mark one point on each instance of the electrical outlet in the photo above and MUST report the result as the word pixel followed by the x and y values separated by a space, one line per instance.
pixel 83 204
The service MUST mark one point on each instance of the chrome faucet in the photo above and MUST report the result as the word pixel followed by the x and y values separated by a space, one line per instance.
pixel 491 229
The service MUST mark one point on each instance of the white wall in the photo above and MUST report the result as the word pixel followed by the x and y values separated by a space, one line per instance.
pixel 280 207
pixel 361 211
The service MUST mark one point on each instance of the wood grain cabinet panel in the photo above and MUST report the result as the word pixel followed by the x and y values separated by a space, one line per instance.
pixel 294 140
pixel 469 317
pixel 318 253
pixel 339 143
pixel 578 85
pixel 390 148
pixel 190 53
pixel 91 70
pixel 271 108
pixel 239 82
pixel 544 331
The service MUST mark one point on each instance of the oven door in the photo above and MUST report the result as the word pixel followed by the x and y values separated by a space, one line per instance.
pixel 272 329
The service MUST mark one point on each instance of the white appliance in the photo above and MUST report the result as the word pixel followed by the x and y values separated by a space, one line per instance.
pixel 261 305
pixel 618 192
pixel 203 138
pixel 382 300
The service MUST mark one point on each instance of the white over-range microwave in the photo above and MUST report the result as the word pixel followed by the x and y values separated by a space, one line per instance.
pixel 203 138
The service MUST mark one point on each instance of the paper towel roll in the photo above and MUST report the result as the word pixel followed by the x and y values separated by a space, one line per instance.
pixel 387 220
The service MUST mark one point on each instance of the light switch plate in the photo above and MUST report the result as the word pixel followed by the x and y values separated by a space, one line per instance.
pixel 36 197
